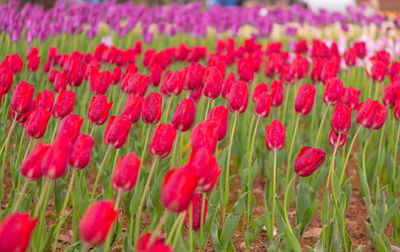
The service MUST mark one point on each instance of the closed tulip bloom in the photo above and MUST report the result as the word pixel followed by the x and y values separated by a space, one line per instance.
pixel 22 97
pixel 351 97
pixel 31 167
pixel 53 75
pixel 16 63
pixel 157 245
pixel 174 83
pixel 15 232
pixel 125 172
pixel 276 92
pixel 97 222
pixel 333 138
pixel 196 212
pixel 350 57
pixel 245 69
pixel 333 91
pixel 238 97
pixel 21 118
pixel 178 188
pixel 81 151
pixel 117 130
pixel 155 75
pixel 380 117
pixel 304 100
pixel 37 122
pixel 45 99
pixel 184 114
pixel 219 114
pixel 361 49
pixel 70 127
pixel 139 84
pixel 341 118
pixel 213 83
pixel 194 76
pixel 64 104
pixel 33 63
pixel 6 78
pixel 389 96
pixel 196 94
pixel 60 82
pixel 259 90
pixel 301 46
pixel 55 161
pixel 308 160
pixel 133 107
pixel 370 114
pixel 378 71
pixel 286 74
pixel 263 106
pixel 275 136
pixel 226 88
pixel 204 134
pixel 100 82
pixel 99 109
pixel 163 139
pixel 299 67
pixel 151 112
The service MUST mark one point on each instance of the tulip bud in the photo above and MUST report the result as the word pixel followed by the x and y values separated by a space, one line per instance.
pixel 31 167
pixel 219 115
pixel 230 79
pixel 60 82
pixel 97 222
pixel 33 63
pixel 378 71
pixel 117 130
pixel 22 97
pixel 333 138
pixel 389 96
pixel 341 118
pixel 276 93
pixel 350 57
pixel 194 76
pixel 37 122
pixel 155 74
pixel 6 78
pixel 238 97
pixel 151 112
pixel 70 127
pixel 116 73
pixel 259 90
pixel 55 161
pixel 64 104
pixel 308 160
pixel 245 69
pixel 125 172
pixel 133 107
pixel 139 84
pixel 263 106
pixel 380 117
pixel 157 245
pixel 45 99
pixel 163 139
pixel 275 136
pixel 100 82
pixel 304 100
pixel 178 188
pixel 351 97
pixel 15 231
pixel 184 114
pixel 361 49
pixel 204 134
pixel 99 109
pixel 196 212
pixel 81 151
pixel 213 83
pixel 333 91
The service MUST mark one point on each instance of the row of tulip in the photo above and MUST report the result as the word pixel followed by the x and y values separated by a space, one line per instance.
pixel 211 135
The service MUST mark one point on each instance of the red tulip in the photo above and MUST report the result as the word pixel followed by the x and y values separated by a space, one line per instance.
pixel 330 69
pixel 70 127
pixel 31 167
pixel 351 97
pixel 204 134
pixel 21 118
pixel 97 222
pixel 276 93
pixel 151 112
pixel 299 67
pixel 117 130
pixel 55 161
pixel 245 69
pixel 350 57
pixel 263 106
pixel 378 71
pixel 60 81
pixel 238 97
pixel 333 138
pixel 37 122
pixel 157 245
pixel 213 83
pixel 133 107
pixel 371 114
pixel 178 188
pixel 99 109
pixel 139 84
pixel 304 100
pixel 14 62
pixel 33 63
pixel 22 97
pixel 155 75
pixel 184 114
pixel 81 151
pixel 196 94
pixel 196 212
pixel 174 83
pixel 116 73
pixel 308 160
pixel 15 232
pixel 286 74
pixel 380 117
pixel 194 76
pixel 316 69
pixel 64 104
pixel 230 79
pixel 259 90
pixel 6 78
pixel 301 47
pixel 45 99
pixel 163 139
pixel 275 136
pixel 396 110
pixel 389 97
pixel 125 172
pixel 360 48
pixel 333 91
pixel 53 75
pixel 219 115
pixel 100 82
pixel 341 118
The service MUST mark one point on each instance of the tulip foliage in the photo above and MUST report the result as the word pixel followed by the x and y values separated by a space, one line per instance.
pixel 134 145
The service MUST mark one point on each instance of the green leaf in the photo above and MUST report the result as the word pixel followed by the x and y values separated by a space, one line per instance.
pixel 306 205
pixel 253 230
pixel 215 233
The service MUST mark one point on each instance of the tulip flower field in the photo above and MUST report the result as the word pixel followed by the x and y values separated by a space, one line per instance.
pixel 119 136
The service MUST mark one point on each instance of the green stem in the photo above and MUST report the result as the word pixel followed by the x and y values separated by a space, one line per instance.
pixel 321 125
pixel 348 155
pixel 143 152
pixel 41 197
pixel 55 130
pixel 157 230
pixel 285 104
pixel 285 202
pixel 331 174
pixel 99 174
pixel 168 108
pixel 207 108
pixel 203 205
pixel 177 233
pixel 363 154
pixel 395 159
pixel 191 227
pixel 20 196
pixel 172 231
pixel 289 160
pixel 174 150
pixel 10 131
pixel 92 130
pixel 272 222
